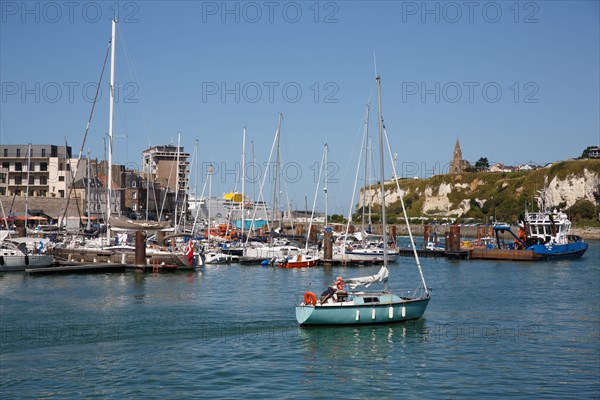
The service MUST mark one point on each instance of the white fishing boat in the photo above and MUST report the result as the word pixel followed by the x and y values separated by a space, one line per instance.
pixel 358 306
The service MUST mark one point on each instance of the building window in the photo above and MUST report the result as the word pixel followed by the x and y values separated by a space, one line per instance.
pixel 2 178
pixel 2 191
pixel 61 178
pixel 43 166
pixel 6 165
pixel 5 152
pixel 134 184
pixel 18 180
pixel 134 207
pixel 31 180
pixel 18 166
pixel 18 152
pixel 61 193
pixel 134 195
pixel 60 167
pixel 43 180
pixel 43 152
pixel 43 193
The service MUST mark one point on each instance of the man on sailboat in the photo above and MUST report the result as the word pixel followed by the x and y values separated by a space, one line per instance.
pixel 332 291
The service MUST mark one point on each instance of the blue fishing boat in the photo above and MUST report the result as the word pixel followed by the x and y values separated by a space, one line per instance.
pixel 338 306
pixel 546 233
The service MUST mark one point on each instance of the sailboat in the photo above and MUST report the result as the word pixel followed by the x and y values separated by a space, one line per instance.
pixel 105 249
pixel 363 246
pixel 358 306
pixel 305 258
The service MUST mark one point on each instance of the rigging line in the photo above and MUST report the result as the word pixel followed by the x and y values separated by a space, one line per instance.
pixel 352 198
pixel 87 128
pixel 165 195
pixel 312 214
pixel 260 190
pixel 412 242
pixel 134 74
pixel 4 130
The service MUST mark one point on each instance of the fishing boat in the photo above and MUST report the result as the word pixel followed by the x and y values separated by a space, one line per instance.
pixel 545 233
pixel 337 306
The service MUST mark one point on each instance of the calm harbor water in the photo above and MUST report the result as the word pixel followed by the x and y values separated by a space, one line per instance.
pixel 492 329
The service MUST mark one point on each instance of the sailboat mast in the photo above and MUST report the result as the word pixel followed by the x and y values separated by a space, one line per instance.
pixel 366 166
pixel 326 165
pixel 88 194
pixel 111 109
pixel 175 223
pixel 27 186
pixel 209 199
pixel 254 205
pixel 276 194
pixel 243 221
pixel 382 179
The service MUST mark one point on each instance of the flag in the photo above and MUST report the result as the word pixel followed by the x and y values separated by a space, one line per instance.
pixel 190 253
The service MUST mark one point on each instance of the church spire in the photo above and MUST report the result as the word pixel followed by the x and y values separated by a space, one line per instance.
pixel 457 151
pixel 457 165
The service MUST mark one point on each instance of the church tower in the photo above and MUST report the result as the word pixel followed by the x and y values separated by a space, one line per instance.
pixel 457 164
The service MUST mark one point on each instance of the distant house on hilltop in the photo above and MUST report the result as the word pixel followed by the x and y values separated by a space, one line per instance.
pixel 458 165
pixel 594 152
pixel 528 167
pixel 499 167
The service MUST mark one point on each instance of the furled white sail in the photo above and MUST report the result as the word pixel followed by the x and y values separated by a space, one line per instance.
pixel 366 281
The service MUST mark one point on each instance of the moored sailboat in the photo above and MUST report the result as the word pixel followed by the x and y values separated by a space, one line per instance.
pixel 340 307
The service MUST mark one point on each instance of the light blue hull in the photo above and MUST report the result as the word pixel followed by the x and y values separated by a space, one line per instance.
pixel 369 313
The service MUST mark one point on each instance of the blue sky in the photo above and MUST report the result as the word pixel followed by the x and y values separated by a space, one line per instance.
pixel 514 81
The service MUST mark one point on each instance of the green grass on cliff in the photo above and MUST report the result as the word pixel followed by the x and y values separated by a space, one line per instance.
pixel 506 194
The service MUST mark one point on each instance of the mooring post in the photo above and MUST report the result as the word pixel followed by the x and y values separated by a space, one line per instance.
pixel 140 248
pixel 327 248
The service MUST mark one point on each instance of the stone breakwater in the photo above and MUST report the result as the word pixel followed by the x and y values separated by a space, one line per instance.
pixel 587 233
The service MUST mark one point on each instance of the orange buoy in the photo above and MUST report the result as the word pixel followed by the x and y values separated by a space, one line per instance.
pixel 310 298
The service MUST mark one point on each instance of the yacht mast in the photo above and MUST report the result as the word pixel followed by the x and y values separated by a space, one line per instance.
pixel 277 184
pixel 382 179
pixel 364 202
pixel 210 171
pixel 88 194
pixel 27 186
pixel 243 221
pixel 175 223
pixel 111 110
pixel 326 166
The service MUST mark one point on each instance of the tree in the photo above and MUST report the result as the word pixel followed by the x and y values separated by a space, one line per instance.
pixel 482 164
pixel 586 152
pixel 337 218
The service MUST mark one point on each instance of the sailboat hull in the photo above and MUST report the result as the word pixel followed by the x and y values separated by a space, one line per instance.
pixel 23 262
pixel 353 314
pixel 299 264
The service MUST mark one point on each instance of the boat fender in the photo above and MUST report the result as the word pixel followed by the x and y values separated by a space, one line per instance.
pixel 2 261
pixel 310 298
pixel 26 259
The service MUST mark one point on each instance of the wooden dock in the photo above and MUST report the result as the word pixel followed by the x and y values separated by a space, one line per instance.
pixel 81 268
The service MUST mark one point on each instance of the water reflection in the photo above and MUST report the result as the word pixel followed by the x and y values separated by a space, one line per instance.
pixel 349 352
